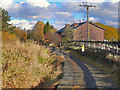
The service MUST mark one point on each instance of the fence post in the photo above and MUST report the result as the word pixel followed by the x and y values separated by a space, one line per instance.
pixel 94 45
pixel 99 45
pixel 117 48
pixel 83 47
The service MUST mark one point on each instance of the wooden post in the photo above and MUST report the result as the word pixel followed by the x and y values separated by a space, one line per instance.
pixel 99 45
pixel 117 49
pixel 83 47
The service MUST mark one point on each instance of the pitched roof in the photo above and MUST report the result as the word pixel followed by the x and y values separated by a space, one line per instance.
pixel 61 30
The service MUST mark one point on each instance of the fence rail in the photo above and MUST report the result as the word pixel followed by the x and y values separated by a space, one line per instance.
pixel 111 47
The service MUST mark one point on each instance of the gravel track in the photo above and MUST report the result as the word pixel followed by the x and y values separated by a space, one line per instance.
pixel 78 74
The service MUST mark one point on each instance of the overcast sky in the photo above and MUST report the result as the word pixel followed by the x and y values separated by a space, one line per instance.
pixel 25 13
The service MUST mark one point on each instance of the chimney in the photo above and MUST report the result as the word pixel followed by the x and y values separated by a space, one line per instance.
pixel 67 25
pixel 75 24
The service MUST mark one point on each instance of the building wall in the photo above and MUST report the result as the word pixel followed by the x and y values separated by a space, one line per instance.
pixel 96 33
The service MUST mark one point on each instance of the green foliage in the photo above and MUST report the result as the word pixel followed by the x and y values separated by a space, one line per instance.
pixel 5 19
pixel 68 33
pixel 47 28
pixel 40 59
pixel 11 29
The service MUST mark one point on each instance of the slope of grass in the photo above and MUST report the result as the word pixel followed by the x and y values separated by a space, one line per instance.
pixel 26 65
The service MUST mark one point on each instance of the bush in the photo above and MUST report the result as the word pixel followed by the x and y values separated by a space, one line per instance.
pixel 7 37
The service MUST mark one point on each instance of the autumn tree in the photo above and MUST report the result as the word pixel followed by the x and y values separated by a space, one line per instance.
pixel 110 33
pixel 8 37
pixel 38 30
pixel 52 37
pixel 119 34
pixel 68 33
pixel 47 28
pixel 53 30
pixel 22 35
pixel 0 19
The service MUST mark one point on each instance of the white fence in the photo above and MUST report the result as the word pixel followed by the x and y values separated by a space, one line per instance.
pixel 99 45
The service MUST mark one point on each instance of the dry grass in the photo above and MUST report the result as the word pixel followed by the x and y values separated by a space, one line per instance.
pixel 27 64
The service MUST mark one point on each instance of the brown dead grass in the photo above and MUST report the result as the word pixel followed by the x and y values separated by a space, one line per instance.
pixel 27 64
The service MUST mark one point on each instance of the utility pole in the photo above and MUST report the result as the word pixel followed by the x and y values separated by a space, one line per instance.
pixel 87 6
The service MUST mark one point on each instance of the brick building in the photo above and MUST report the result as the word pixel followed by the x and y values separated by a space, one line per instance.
pixel 80 31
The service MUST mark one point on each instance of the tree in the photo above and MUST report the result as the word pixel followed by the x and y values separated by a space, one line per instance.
pixel 30 34
pixel 110 33
pixel 68 33
pixel 47 28
pixel 53 30
pixel 119 34
pixel 52 27
pixel 5 19
pixel 52 37
pixel 0 19
pixel 20 34
pixel 11 29
pixel 38 30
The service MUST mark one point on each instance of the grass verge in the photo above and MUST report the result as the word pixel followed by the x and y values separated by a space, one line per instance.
pixel 28 65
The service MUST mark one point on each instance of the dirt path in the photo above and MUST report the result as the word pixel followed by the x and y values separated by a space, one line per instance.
pixel 78 74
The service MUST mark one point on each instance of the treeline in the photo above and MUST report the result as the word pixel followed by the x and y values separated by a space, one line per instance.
pixel 44 32
pixel 40 32
pixel 9 31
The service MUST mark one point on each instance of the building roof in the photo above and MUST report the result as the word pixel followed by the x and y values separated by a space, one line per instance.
pixel 79 24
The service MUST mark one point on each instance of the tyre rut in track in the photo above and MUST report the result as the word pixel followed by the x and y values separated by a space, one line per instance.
pixel 78 74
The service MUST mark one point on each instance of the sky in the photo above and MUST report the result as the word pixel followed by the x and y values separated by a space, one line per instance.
pixel 26 13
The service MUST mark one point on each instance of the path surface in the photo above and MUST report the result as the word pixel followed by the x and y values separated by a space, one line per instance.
pixel 78 74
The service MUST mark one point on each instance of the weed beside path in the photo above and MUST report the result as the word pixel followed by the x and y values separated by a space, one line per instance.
pixel 28 65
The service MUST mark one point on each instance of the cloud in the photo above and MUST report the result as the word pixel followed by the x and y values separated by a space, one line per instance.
pixel 6 3
pixel 111 23
pixel 61 13
pixel 98 1
pixel 64 13
pixel 61 23
pixel 93 19
pixel 23 24
pixel 103 11
pixel 40 3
